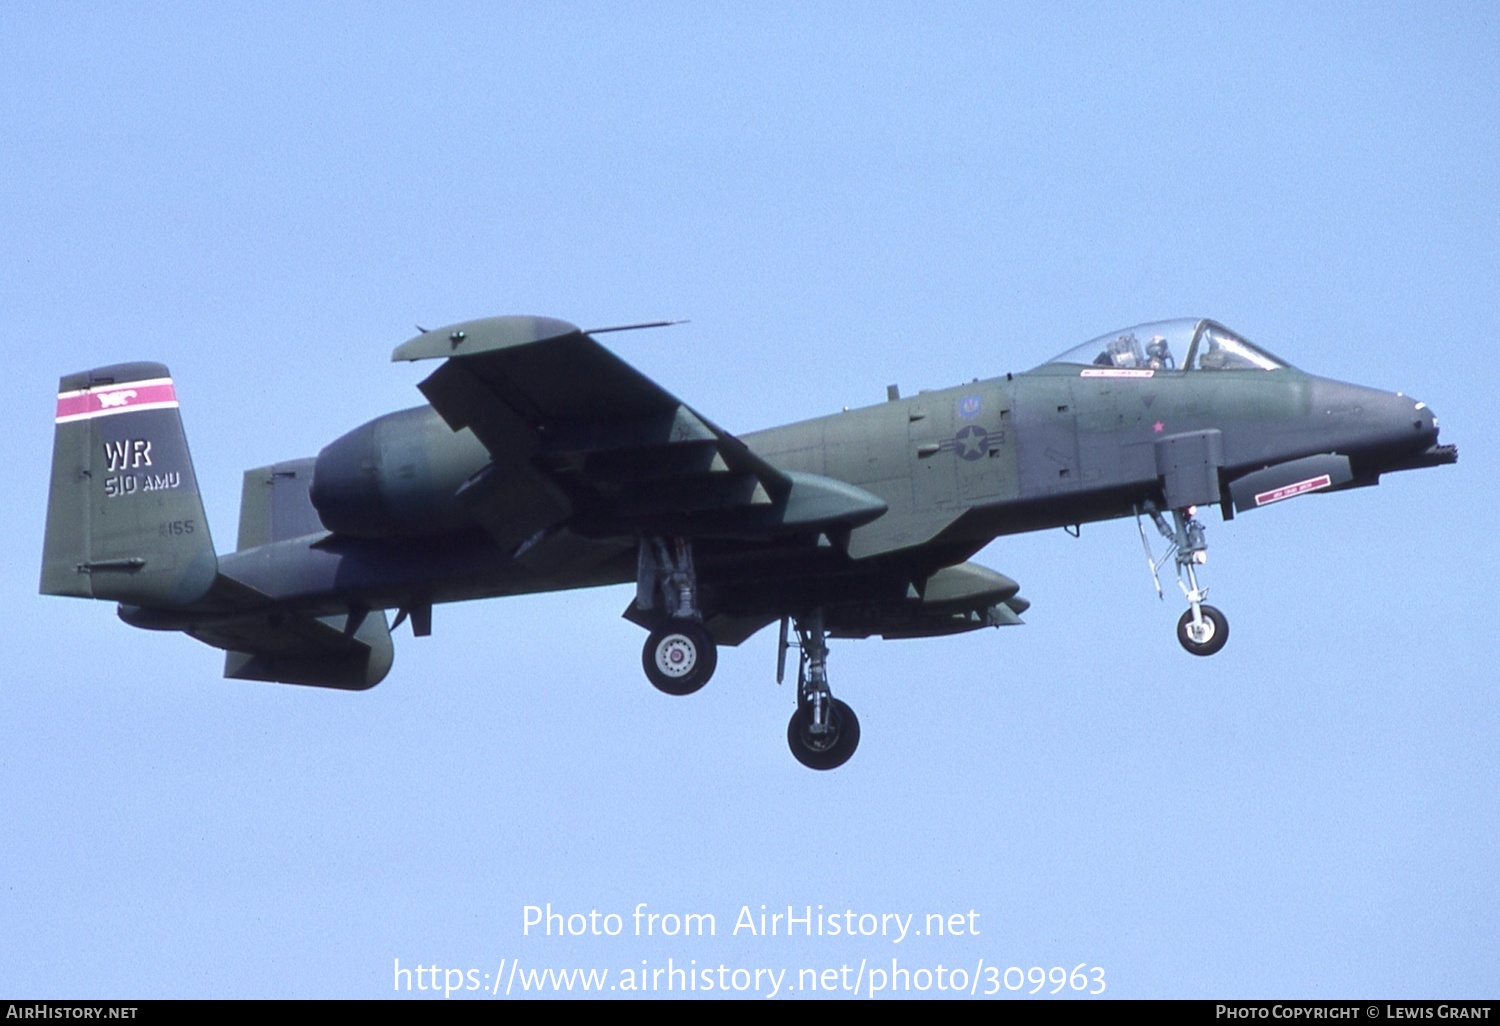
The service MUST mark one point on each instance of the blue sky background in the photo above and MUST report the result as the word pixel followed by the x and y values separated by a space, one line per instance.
pixel 839 197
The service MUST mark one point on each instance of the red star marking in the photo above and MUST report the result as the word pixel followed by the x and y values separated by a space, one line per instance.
pixel 1157 427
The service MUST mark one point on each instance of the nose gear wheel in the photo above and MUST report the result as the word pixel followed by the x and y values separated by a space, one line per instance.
pixel 1205 637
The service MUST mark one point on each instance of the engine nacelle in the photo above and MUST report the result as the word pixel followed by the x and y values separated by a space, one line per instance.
pixel 396 477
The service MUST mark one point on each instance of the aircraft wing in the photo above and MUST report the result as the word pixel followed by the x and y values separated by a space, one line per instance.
pixel 579 436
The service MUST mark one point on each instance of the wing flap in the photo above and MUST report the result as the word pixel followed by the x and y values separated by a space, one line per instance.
pixel 514 502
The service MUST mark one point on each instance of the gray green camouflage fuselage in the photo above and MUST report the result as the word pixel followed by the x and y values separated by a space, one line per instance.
pixel 543 462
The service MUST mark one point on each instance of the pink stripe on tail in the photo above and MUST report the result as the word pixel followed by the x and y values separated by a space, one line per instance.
pixel 155 394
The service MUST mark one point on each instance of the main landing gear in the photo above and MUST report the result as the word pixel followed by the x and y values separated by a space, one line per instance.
pixel 1202 630
pixel 823 732
pixel 680 655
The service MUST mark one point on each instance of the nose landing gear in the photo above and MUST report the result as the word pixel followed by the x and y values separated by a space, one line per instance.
pixel 1202 630
pixel 1207 634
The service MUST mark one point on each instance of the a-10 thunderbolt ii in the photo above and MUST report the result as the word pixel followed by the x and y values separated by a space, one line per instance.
pixel 544 462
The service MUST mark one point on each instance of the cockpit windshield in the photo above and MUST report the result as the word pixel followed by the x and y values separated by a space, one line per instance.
pixel 1187 344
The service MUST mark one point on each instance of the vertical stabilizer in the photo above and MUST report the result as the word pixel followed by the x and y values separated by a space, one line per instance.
pixel 124 518
pixel 275 504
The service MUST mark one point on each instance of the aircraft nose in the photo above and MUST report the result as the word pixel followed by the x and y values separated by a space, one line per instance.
pixel 1408 433
pixel 1425 422
pixel 1375 428
pixel 1406 421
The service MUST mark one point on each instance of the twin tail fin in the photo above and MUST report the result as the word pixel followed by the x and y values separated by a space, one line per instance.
pixel 124 518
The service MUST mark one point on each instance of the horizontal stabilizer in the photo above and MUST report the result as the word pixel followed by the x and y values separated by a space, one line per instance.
pixel 305 650
pixel 266 641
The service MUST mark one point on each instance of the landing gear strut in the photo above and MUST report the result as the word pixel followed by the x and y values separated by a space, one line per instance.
pixel 823 732
pixel 1202 630
pixel 680 655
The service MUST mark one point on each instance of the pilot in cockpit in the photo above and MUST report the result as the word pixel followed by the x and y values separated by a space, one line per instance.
pixel 1159 354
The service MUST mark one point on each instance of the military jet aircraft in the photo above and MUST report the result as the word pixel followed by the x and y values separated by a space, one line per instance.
pixel 544 462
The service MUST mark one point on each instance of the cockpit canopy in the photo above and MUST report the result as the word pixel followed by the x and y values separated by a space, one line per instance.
pixel 1185 344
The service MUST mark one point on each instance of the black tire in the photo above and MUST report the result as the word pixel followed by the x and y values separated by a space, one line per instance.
pixel 1218 632
pixel 679 657
pixel 830 751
